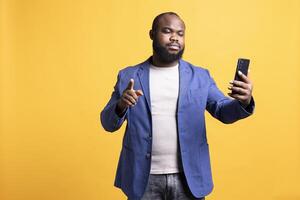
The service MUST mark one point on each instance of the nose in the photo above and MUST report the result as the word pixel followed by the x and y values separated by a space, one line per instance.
pixel 173 38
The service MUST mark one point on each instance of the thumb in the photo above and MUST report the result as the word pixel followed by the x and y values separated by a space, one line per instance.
pixel 130 84
pixel 139 93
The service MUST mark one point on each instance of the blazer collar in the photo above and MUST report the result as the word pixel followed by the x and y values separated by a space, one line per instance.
pixel 143 75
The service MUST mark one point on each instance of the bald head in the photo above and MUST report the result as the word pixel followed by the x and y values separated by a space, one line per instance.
pixel 157 19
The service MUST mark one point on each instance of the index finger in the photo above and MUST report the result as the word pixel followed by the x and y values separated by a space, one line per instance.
pixel 130 84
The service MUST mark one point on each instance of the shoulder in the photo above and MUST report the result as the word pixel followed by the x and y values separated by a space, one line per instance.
pixel 197 70
pixel 132 70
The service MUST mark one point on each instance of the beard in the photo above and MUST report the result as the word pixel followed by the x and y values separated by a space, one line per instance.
pixel 163 54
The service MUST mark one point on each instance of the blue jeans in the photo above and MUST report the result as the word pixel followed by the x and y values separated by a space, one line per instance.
pixel 168 187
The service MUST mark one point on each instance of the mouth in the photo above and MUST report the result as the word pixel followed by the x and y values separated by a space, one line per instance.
pixel 173 47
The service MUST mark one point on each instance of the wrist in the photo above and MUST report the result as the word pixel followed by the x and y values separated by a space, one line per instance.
pixel 120 108
pixel 246 103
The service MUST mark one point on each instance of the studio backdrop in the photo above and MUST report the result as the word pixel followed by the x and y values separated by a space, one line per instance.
pixel 59 61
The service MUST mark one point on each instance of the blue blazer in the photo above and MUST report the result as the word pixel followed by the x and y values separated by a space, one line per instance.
pixel 197 93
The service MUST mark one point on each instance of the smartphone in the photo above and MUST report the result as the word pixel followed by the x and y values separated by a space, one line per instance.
pixel 242 65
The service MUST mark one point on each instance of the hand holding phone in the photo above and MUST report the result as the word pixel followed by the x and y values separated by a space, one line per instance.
pixel 241 87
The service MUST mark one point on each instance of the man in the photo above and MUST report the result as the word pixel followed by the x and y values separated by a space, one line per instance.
pixel 165 154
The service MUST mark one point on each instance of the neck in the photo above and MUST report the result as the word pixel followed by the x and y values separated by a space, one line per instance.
pixel 157 62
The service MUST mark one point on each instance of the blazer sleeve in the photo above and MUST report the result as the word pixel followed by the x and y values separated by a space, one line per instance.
pixel 108 117
pixel 223 108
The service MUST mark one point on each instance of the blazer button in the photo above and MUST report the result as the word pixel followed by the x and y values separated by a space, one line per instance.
pixel 148 155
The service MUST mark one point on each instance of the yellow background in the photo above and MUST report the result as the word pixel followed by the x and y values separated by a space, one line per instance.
pixel 59 61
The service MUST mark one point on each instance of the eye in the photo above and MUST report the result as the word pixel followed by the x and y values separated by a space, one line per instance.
pixel 181 33
pixel 166 30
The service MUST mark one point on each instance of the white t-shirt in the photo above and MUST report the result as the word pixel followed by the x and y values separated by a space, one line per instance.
pixel 164 89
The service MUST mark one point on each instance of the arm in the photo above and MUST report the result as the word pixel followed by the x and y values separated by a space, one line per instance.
pixel 115 112
pixel 230 110
pixel 110 120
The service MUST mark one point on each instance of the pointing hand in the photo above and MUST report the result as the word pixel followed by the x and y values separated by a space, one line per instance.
pixel 129 97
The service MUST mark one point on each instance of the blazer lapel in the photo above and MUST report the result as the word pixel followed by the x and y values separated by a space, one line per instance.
pixel 184 74
pixel 143 75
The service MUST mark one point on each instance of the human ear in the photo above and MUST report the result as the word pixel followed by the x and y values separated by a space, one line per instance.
pixel 151 34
